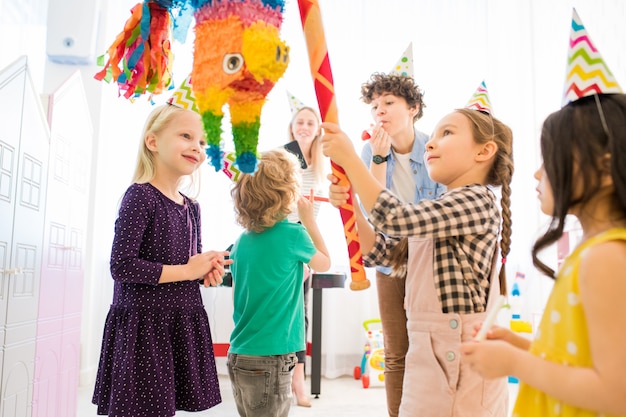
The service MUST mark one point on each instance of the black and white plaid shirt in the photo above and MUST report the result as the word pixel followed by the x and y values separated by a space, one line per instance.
pixel 464 225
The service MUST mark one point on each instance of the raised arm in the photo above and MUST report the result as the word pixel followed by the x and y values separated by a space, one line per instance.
pixel 337 146
pixel 321 260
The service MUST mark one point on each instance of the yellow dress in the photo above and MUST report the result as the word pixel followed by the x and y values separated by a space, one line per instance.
pixel 562 336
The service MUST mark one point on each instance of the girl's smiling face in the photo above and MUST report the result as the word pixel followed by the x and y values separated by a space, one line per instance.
pixel 180 145
pixel 451 152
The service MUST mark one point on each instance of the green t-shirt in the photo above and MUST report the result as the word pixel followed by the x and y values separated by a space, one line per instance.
pixel 267 270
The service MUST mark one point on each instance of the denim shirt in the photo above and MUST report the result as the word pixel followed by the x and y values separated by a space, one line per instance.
pixel 425 188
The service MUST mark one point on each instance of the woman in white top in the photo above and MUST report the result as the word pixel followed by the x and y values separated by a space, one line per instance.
pixel 305 129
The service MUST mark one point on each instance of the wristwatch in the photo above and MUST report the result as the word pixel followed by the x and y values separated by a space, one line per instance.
pixel 379 159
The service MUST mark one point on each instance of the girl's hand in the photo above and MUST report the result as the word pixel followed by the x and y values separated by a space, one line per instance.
pixel 338 195
pixel 336 144
pixel 490 358
pixel 199 264
pixel 380 141
pixel 496 332
pixel 213 278
pixel 505 334
pixel 209 265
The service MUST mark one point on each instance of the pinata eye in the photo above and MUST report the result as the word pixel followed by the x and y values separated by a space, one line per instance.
pixel 232 63
pixel 286 56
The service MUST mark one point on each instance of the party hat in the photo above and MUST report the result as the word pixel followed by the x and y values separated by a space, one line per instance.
pixel 183 96
pixel 480 100
pixel 294 103
pixel 230 169
pixel 587 73
pixel 404 66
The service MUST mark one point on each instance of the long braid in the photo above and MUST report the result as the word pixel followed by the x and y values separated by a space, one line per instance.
pixel 501 175
pixel 399 257
pixel 505 172
pixel 488 128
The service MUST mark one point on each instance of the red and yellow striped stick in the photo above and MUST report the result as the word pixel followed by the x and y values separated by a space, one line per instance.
pixel 325 92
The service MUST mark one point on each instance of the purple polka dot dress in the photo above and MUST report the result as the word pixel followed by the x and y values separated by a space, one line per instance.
pixel 157 353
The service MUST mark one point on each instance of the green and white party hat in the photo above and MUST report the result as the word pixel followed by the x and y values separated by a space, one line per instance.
pixel 404 66
pixel 183 96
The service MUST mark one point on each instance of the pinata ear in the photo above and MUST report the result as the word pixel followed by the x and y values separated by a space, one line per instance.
pixel 587 73
pixel 294 103
pixel 183 96
pixel 480 100
pixel 404 66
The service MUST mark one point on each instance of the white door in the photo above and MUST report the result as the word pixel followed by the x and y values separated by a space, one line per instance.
pixel 21 286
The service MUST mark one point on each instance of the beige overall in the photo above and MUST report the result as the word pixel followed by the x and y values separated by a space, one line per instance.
pixel 436 382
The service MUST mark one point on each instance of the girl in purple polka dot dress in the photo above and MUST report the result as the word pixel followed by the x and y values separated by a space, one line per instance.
pixel 157 354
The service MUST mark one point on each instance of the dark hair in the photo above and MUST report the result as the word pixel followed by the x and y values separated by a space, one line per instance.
pixel 398 85
pixel 574 137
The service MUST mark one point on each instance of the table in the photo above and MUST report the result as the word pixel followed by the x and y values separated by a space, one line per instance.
pixel 318 283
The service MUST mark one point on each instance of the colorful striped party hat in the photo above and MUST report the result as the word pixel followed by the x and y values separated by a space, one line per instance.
pixel 587 73
pixel 230 169
pixel 294 103
pixel 183 96
pixel 404 66
pixel 480 100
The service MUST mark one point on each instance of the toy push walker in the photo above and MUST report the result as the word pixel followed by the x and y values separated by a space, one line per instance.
pixel 373 362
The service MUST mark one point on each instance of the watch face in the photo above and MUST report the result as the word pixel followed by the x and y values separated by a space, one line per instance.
pixel 377 159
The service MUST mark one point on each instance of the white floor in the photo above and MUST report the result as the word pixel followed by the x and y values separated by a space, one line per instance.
pixel 343 397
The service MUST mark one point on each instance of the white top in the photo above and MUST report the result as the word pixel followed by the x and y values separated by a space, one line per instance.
pixel 308 182
pixel 402 184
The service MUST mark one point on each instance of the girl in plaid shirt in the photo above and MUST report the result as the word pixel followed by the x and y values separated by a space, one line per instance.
pixel 452 247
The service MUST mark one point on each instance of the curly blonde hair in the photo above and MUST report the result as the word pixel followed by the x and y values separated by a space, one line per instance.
pixel 266 197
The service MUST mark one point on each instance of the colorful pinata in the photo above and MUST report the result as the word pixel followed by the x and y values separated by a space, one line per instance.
pixel 238 57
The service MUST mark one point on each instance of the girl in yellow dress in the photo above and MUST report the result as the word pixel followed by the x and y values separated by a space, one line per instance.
pixel 576 366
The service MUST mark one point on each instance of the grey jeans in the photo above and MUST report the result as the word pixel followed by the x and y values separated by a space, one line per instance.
pixel 261 384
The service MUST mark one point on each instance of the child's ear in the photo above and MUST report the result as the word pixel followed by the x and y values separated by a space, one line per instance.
pixel 487 151
pixel 150 141
pixel 605 169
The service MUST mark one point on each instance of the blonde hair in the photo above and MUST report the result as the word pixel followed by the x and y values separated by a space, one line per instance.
pixel 145 170
pixel 266 197
pixel 317 157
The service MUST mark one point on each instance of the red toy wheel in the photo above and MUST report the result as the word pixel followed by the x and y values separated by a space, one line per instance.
pixel 357 372
pixel 366 380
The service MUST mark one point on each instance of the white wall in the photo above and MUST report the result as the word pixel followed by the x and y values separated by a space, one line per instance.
pixel 519 48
